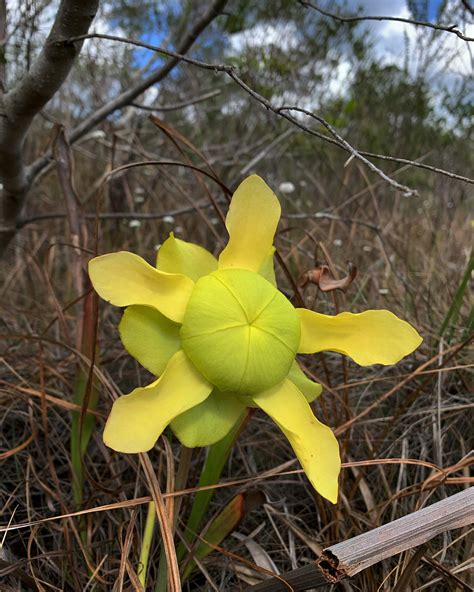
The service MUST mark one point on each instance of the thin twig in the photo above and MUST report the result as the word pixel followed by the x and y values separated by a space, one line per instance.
pixel 354 19
pixel 26 99
pixel 130 94
pixel 117 215
pixel 180 105
pixel 467 6
pixel 280 111
pixel 447 574
pixel 419 165
pixel 278 471
pixel 328 216
pixel 451 350
pixel 3 41
pixel 265 150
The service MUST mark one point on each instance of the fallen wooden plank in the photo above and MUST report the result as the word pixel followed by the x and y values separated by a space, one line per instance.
pixel 354 555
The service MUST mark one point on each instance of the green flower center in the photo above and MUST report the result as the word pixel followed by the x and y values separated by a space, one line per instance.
pixel 239 331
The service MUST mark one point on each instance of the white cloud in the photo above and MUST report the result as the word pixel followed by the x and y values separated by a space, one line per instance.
pixel 376 7
pixel 280 34
pixel 392 40
pixel 441 59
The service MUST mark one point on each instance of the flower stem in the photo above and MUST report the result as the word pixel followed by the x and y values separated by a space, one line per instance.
pixel 216 458
pixel 146 543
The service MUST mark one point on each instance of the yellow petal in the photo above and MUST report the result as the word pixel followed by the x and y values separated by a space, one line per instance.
pixel 125 278
pixel 311 390
pixel 371 337
pixel 137 420
pixel 267 270
pixel 313 443
pixel 149 337
pixel 251 221
pixel 178 256
pixel 208 422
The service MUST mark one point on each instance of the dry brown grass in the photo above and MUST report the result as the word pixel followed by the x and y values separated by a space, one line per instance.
pixel 411 265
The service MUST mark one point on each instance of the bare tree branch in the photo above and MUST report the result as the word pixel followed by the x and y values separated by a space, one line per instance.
pixel 119 215
pixel 40 84
pixel 17 180
pixel 181 104
pixel 280 111
pixel 264 151
pixel 467 6
pixel 3 40
pixel 354 19
pixel 27 17
pixel 128 96
pixel 23 221
pixel 19 106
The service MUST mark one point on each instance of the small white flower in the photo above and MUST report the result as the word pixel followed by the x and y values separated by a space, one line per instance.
pixel 139 199
pixel 157 246
pixel 367 248
pixel 96 135
pixel 134 224
pixel 384 291
pixel 214 221
pixel 286 187
pixel 337 242
pixel 178 229
pixel 169 219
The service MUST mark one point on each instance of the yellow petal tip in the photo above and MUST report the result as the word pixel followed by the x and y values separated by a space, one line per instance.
pixel 370 337
pixel 251 221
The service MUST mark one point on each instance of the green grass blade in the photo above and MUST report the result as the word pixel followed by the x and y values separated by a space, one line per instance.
pixel 146 543
pixel 455 308
pixel 212 470
pixel 222 525
pixel 86 395
pixel 80 437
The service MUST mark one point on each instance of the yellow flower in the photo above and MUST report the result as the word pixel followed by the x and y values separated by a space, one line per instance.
pixel 221 337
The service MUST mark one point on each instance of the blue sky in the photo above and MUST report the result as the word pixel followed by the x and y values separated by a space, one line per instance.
pixel 369 7
pixel 389 43
pixel 433 7
pixel 391 7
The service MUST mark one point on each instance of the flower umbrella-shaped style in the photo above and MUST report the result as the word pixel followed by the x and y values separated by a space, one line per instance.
pixel 221 337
